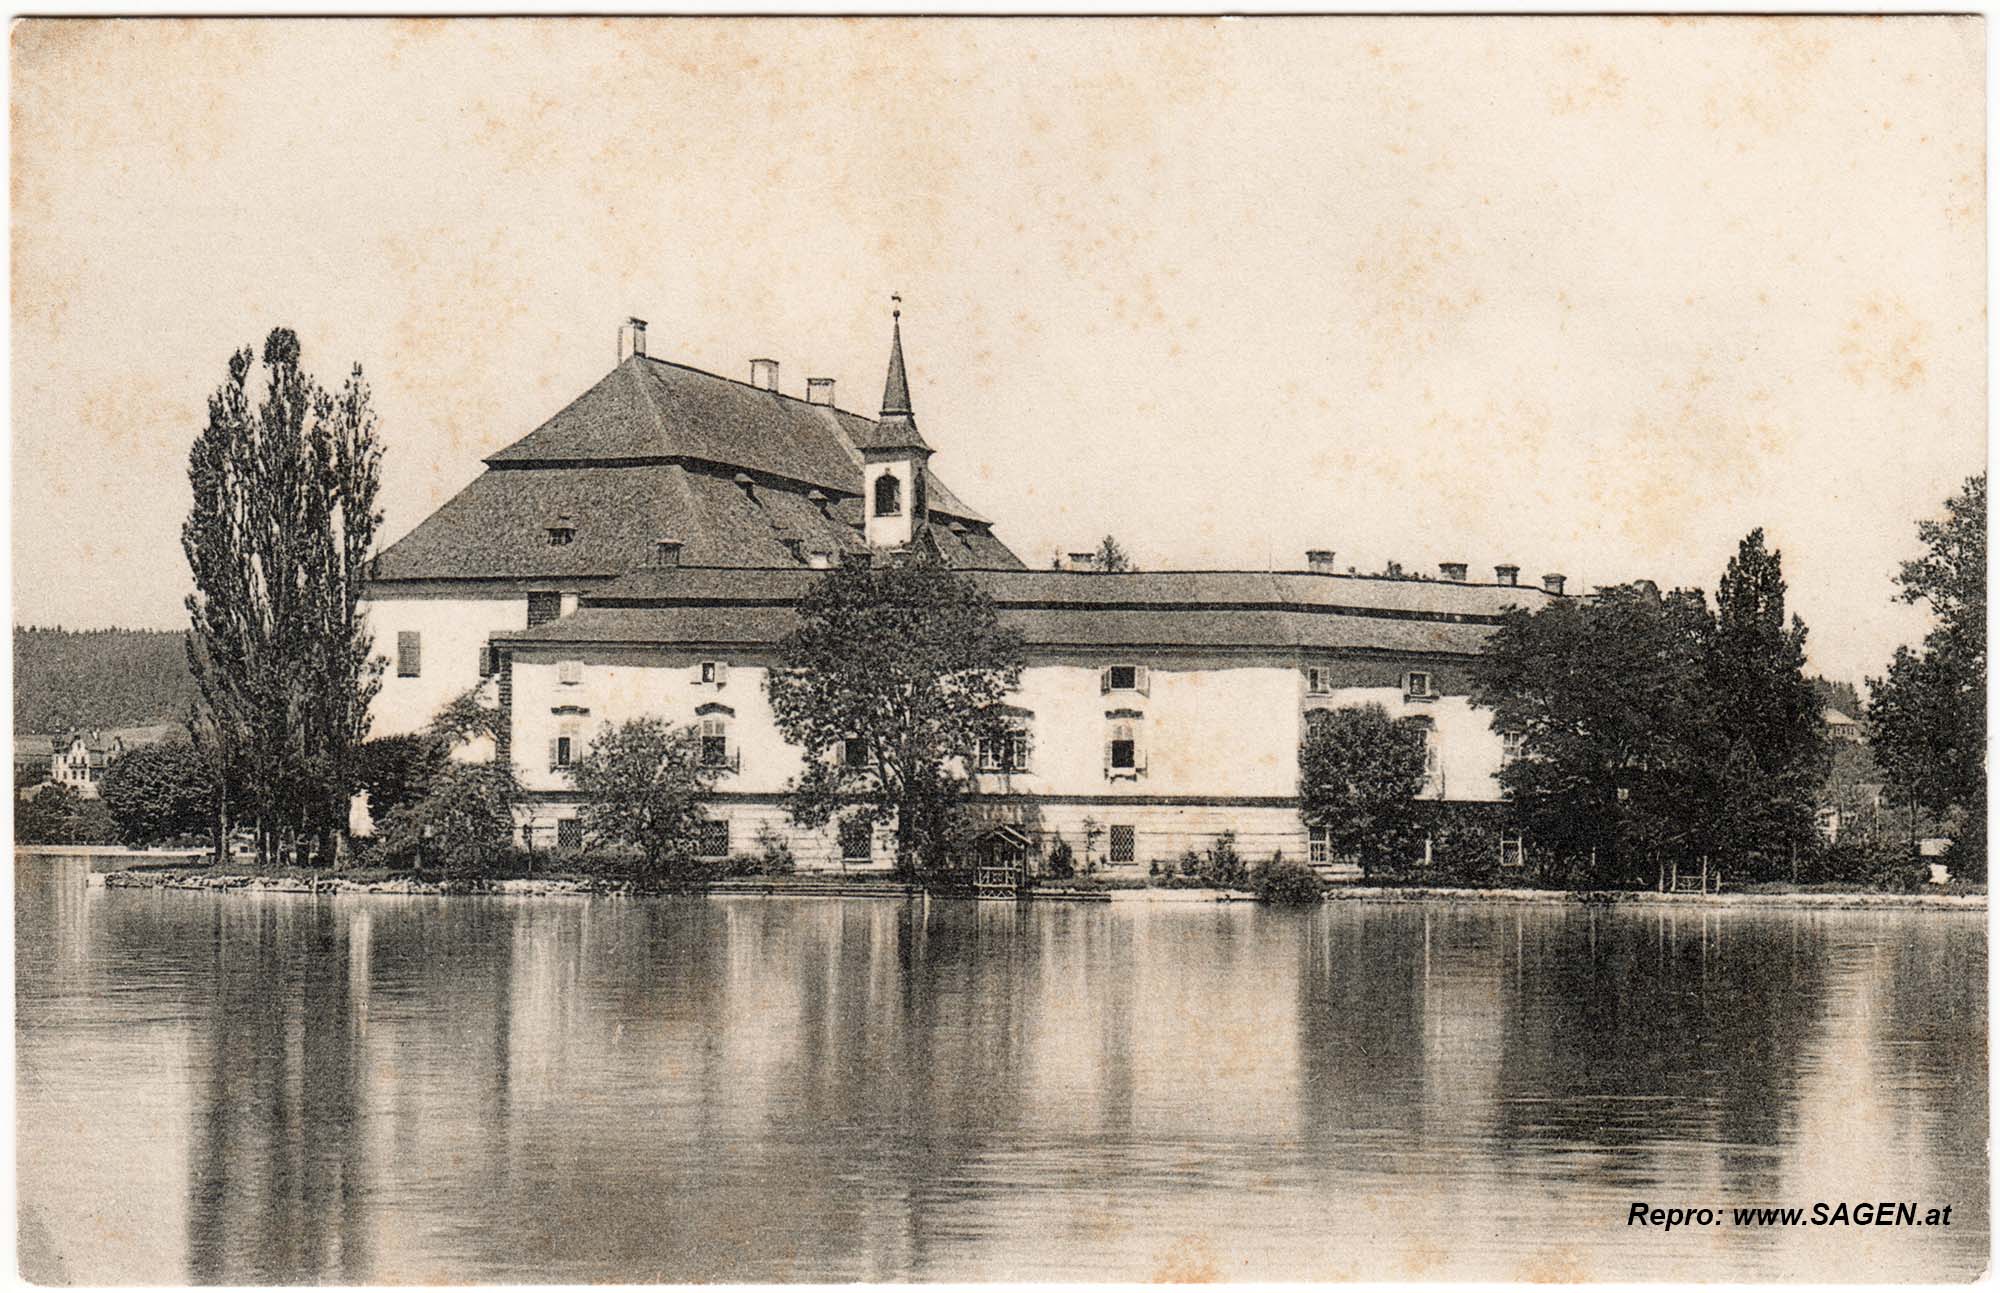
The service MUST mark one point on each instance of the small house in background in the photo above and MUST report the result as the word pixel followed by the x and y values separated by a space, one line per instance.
pixel 79 759
pixel 1840 727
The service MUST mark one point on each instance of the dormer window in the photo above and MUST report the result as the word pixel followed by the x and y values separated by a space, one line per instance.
pixel 1319 681
pixel 888 495
pixel 562 531
pixel 1417 686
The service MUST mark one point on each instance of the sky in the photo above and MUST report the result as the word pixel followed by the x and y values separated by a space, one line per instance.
pixel 1588 295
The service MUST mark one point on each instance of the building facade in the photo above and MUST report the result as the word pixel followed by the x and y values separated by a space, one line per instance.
pixel 644 551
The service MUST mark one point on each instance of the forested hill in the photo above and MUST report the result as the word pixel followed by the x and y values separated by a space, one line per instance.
pixel 66 678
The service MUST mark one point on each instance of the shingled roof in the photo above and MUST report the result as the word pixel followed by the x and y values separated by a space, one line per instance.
pixel 656 451
pixel 1220 608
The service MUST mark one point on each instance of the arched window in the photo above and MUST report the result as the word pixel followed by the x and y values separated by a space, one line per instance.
pixel 888 495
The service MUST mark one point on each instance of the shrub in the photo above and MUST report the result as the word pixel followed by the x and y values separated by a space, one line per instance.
pixel 1465 849
pixel 1287 881
pixel 774 852
pixel 1222 866
pixel 1062 860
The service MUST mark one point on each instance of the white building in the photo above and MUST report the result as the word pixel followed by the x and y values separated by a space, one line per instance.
pixel 642 552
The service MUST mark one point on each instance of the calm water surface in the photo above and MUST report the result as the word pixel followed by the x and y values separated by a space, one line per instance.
pixel 369 1089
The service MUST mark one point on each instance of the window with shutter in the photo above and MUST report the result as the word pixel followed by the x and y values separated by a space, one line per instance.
pixel 714 743
pixel 486 660
pixel 1142 680
pixel 543 607
pixel 1124 750
pixel 409 654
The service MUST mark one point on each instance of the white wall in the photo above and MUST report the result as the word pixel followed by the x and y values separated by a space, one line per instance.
pixel 453 630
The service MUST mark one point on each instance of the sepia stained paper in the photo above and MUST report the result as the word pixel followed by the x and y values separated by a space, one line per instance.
pixel 1591 296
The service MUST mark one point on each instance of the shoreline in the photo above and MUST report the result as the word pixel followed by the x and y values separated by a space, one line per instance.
pixel 813 888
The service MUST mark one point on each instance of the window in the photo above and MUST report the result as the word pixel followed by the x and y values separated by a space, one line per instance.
pixel 854 753
pixel 1319 845
pixel 1124 845
pixel 567 747
pixel 569 833
pixel 1319 681
pixel 712 838
pixel 888 495
pixel 1124 677
pixel 857 839
pixel 569 672
pixel 711 673
pixel 1004 752
pixel 1417 686
pixel 543 607
pixel 560 536
pixel 489 663
pixel 1514 746
pixel 409 654
pixel 1432 761
pixel 714 743
pixel 1511 852
pixel 1122 755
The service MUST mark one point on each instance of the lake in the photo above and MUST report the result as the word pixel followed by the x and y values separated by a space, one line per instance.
pixel 242 1089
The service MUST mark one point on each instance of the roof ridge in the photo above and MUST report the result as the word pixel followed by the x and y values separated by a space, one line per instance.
pixel 762 390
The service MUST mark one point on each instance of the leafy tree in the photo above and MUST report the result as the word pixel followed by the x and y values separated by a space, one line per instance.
pixel 158 792
pixel 58 815
pixel 1761 719
pixel 467 717
pixel 1112 558
pixel 396 770
pixel 461 825
pixel 1605 698
pixel 277 540
pixel 1359 775
pixel 1927 717
pixel 643 784
pixel 910 661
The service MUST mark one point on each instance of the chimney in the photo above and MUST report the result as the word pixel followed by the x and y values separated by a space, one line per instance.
pixel 1083 561
pixel 1553 584
pixel 1508 575
pixel 819 390
pixel 820 559
pixel 1453 571
pixel 631 339
pixel 1320 560
pixel 764 374
pixel 666 552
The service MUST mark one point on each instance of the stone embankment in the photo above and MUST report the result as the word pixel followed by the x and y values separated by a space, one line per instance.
pixel 832 886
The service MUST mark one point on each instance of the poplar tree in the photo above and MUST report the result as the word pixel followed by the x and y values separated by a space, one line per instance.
pixel 283 517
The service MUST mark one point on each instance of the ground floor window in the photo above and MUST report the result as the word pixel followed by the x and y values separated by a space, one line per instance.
pixel 569 833
pixel 857 840
pixel 1124 845
pixel 1319 845
pixel 712 838
pixel 1511 852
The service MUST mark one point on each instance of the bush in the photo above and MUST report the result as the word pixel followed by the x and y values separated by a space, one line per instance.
pixel 1287 881
pixel 1219 866
pixel 774 852
pixel 1465 849
pixel 1061 860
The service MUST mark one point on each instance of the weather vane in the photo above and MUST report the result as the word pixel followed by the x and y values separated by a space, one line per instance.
pixel 896 297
